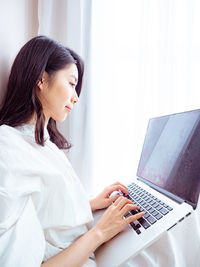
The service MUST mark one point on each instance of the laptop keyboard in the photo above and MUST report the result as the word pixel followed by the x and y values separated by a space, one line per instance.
pixel 153 207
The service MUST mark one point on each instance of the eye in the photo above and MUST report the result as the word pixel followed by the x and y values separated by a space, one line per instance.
pixel 73 85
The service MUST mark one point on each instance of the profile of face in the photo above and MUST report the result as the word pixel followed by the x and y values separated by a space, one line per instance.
pixel 57 94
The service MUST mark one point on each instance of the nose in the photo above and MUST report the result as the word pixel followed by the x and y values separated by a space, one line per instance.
pixel 75 98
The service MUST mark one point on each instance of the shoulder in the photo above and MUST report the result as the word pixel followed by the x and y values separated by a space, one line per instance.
pixel 17 173
pixel 9 136
pixel 6 131
pixel 11 143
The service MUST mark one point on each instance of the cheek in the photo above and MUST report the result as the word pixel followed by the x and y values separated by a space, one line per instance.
pixel 61 98
pixel 65 93
pixel 59 95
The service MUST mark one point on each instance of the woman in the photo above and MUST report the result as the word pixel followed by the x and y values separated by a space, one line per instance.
pixel 45 215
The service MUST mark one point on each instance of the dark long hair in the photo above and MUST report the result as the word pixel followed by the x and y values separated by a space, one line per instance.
pixel 36 56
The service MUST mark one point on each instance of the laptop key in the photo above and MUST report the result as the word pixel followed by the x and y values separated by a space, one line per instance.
pixel 169 208
pixel 148 207
pixel 152 202
pixel 159 207
pixel 146 215
pixel 133 226
pixel 138 231
pixel 151 210
pixel 143 202
pixel 127 196
pixel 133 212
pixel 149 200
pixel 158 216
pixel 137 225
pixel 151 219
pixel 155 213
pixel 144 223
pixel 155 205
pixel 164 211
pixel 127 215
pixel 145 205
pixel 145 198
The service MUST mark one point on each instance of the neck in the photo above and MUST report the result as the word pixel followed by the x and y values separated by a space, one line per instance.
pixel 33 120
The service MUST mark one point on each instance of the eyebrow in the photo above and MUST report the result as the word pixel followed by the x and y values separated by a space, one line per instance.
pixel 76 80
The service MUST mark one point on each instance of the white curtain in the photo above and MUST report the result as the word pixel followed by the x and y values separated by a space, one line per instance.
pixel 142 60
pixel 70 23
pixel 146 63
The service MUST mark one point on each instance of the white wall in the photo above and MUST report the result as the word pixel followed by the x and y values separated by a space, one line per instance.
pixel 18 23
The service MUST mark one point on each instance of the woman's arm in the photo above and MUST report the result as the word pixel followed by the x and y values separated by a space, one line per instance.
pixel 78 252
pixel 111 223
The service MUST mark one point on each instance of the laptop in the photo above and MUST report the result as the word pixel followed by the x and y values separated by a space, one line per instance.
pixel 166 187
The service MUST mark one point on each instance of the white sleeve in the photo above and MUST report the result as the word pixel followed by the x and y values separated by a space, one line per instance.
pixel 22 240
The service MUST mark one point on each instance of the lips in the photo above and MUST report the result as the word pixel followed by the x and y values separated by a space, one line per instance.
pixel 68 108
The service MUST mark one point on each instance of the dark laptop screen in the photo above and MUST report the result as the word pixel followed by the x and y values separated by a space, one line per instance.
pixel 170 156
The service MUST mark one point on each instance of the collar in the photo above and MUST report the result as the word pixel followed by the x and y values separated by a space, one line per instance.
pixel 29 129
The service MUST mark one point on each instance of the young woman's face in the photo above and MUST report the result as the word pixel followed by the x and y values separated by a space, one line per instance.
pixel 57 94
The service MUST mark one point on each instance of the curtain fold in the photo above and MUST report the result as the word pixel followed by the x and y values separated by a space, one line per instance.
pixel 69 22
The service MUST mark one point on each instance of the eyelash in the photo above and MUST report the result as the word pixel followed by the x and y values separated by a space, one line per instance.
pixel 73 84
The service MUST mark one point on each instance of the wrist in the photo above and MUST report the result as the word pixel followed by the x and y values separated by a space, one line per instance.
pixel 92 204
pixel 98 235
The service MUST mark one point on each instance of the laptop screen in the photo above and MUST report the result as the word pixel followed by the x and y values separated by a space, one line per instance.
pixel 170 157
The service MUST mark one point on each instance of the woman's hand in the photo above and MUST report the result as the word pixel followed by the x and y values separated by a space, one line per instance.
pixel 110 224
pixel 113 221
pixel 103 200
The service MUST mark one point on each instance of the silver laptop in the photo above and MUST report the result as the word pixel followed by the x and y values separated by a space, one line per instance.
pixel 167 185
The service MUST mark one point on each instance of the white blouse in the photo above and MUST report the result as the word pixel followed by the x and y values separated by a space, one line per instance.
pixel 43 206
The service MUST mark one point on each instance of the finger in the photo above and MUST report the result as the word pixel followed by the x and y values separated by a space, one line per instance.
pixel 129 207
pixel 113 188
pixel 118 183
pixel 134 217
pixel 109 201
pixel 113 199
pixel 121 202
pixel 118 200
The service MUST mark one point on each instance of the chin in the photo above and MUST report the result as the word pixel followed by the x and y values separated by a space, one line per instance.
pixel 60 119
